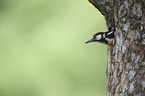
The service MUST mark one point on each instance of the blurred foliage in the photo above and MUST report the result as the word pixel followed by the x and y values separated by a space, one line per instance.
pixel 43 51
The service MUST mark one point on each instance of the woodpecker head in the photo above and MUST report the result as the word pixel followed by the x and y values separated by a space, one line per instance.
pixel 98 37
pixel 103 37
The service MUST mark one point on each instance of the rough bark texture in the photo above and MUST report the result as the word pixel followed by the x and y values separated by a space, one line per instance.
pixel 126 65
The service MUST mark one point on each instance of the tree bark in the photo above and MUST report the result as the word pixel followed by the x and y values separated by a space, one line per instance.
pixel 126 64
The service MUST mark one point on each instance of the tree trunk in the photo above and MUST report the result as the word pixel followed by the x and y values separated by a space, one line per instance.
pixel 126 64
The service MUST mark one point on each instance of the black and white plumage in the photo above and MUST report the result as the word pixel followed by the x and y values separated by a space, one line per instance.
pixel 103 37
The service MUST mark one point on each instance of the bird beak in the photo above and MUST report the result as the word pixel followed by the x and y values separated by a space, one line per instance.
pixel 91 40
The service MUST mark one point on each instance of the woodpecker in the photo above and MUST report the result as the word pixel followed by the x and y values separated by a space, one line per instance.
pixel 103 37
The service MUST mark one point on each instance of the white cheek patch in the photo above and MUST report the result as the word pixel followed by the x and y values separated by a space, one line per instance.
pixel 98 37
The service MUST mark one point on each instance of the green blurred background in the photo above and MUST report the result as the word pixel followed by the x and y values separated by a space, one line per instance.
pixel 42 49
